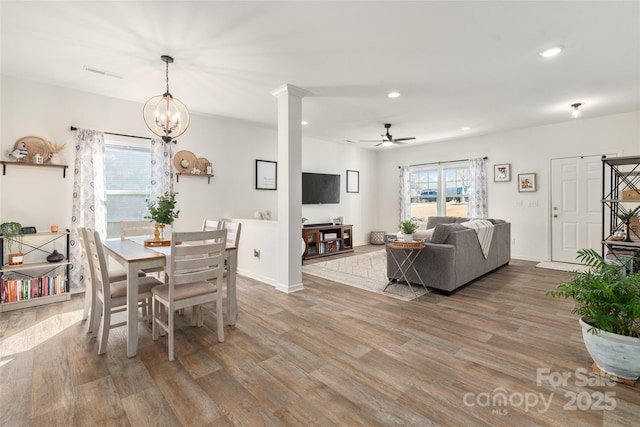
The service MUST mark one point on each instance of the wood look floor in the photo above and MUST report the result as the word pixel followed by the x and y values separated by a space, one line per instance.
pixel 330 355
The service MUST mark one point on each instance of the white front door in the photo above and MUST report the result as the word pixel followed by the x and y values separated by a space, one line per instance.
pixel 576 208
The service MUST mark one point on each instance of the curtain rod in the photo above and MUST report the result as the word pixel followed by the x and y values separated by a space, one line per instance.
pixel 447 161
pixel 117 134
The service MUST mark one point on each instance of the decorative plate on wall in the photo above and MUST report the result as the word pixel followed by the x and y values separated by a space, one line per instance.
pixel 35 145
pixel 201 163
pixel 184 161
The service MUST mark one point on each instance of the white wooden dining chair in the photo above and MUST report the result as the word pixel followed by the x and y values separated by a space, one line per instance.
pixel 140 229
pixel 233 232
pixel 136 229
pixel 111 297
pixel 212 224
pixel 115 275
pixel 194 278
pixel 233 237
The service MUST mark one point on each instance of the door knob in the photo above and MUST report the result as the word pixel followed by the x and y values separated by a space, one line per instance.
pixel 555 215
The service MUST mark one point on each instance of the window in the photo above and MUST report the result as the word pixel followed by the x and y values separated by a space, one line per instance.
pixel 429 183
pixel 128 174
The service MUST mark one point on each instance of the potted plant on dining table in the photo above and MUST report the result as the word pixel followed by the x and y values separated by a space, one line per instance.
pixel 162 212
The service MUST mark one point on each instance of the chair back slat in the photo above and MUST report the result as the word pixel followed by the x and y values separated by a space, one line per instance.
pixel 233 232
pixel 212 224
pixel 199 258
pixel 100 277
pixel 136 229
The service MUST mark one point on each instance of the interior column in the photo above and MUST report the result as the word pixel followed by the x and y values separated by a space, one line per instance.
pixel 289 182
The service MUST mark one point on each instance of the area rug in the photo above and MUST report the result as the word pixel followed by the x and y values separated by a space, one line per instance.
pixel 365 271
pixel 562 266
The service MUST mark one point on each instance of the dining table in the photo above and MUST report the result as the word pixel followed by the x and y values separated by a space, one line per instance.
pixel 135 256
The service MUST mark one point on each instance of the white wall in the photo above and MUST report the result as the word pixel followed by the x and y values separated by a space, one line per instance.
pixel 41 197
pixel 528 150
pixel 357 209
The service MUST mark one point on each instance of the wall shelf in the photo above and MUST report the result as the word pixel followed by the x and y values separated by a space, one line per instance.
pixel 203 175
pixel 36 165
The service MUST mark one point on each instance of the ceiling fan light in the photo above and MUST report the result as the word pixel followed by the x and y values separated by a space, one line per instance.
pixel 387 143
pixel 575 112
pixel 393 94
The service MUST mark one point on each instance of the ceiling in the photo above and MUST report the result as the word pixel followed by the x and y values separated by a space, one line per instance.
pixel 455 63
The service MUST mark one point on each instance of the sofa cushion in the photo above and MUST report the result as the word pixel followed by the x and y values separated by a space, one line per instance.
pixel 432 221
pixel 442 231
pixel 423 235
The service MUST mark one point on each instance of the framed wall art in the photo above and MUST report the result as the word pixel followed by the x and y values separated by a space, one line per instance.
pixel 526 182
pixel 266 175
pixel 502 173
pixel 353 181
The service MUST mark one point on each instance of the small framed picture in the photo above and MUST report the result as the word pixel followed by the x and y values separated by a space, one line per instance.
pixel 502 173
pixel 353 181
pixel 527 182
pixel 266 175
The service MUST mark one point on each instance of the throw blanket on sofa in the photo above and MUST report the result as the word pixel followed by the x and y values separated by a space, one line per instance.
pixel 484 231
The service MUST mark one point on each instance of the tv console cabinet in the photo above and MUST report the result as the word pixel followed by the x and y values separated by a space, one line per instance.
pixel 324 240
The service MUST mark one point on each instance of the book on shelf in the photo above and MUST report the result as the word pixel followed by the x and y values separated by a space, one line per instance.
pixel 12 290
pixel 326 236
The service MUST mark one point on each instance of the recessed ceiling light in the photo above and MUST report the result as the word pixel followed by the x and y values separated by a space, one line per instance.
pixel 465 128
pixel 393 94
pixel 553 51
pixel 304 122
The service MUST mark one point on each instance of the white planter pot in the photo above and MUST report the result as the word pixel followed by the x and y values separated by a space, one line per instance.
pixel 408 237
pixel 614 354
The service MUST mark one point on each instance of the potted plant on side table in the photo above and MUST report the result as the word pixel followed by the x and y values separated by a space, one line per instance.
pixel 408 227
pixel 12 234
pixel 162 212
pixel 608 303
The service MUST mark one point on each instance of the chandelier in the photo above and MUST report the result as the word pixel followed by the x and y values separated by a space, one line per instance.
pixel 165 115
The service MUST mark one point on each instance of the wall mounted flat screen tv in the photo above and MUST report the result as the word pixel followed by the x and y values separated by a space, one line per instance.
pixel 320 188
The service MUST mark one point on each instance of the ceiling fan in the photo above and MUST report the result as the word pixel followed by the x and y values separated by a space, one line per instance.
pixel 387 138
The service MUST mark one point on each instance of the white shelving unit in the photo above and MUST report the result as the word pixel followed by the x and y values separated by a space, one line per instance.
pixel 39 246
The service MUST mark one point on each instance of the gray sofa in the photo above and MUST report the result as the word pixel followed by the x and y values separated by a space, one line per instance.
pixel 456 258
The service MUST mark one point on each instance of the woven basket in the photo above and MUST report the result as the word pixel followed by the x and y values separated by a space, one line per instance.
pixel 377 238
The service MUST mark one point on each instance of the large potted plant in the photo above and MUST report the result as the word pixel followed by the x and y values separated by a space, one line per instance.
pixel 12 234
pixel 608 303
pixel 408 227
pixel 162 212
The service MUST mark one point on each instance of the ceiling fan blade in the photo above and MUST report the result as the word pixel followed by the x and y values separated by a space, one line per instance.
pixel 379 144
pixel 404 139
pixel 369 140
pixel 395 141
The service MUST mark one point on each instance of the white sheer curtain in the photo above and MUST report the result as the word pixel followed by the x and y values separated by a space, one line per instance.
pixel 89 207
pixel 405 194
pixel 161 172
pixel 477 189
